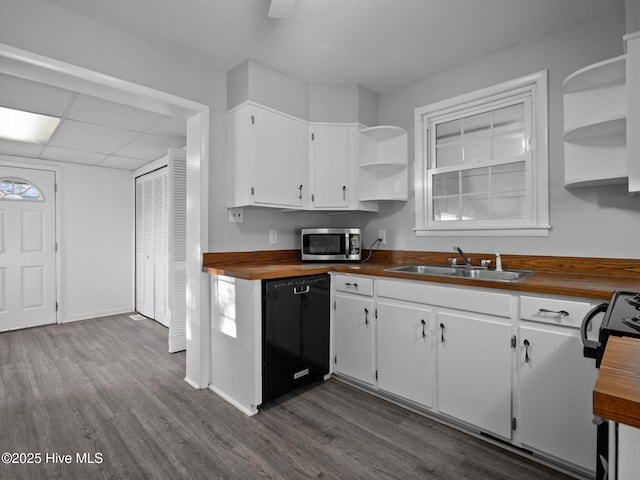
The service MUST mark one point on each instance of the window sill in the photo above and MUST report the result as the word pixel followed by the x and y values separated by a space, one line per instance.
pixel 529 231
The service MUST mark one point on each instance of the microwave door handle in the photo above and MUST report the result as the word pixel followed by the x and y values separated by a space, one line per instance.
pixel 590 346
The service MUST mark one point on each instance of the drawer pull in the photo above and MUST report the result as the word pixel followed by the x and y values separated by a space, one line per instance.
pixel 559 313
pixel 354 285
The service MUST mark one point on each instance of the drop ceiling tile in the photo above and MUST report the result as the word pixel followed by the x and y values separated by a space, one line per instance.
pixel 91 138
pixel 124 163
pixel 104 112
pixel 32 96
pixel 73 156
pixel 175 127
pixel 150 147
pixel 20 149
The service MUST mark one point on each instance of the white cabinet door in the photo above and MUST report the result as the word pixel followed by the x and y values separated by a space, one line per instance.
pixel 354 337
pixel 332 158
pixel 556 390
pixel 267 158
pixel 405 352
pixel 474 371
pixel 280 159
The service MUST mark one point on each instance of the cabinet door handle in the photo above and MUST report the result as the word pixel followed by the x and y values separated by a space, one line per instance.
pixel 366 316
pixel 442 333
pixel 300 194
pixel 344 192
pixel 526 350
pixel 560 313
pixel 424 334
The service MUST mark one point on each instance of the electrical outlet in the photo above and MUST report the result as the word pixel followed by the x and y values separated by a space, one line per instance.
pixel 273 237
pixel 382 235
pixel 235 215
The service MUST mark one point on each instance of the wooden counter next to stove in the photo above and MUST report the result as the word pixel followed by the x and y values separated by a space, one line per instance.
pixel 616 395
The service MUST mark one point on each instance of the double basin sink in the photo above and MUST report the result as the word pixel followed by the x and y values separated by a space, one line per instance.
pixel 478 273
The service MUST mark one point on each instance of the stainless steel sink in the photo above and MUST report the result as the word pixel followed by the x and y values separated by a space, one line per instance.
pixel 497 276
pixel 464 272
pixel 424 269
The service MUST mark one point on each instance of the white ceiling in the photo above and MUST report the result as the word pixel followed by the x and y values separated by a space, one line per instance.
pixel 380 44
pixel 93 131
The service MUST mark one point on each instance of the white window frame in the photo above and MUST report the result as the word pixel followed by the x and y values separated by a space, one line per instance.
pixel 536 221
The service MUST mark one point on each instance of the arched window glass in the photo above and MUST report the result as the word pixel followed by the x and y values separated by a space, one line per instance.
pixel 18 189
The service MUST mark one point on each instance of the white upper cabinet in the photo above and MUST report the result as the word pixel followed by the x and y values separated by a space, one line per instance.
pixel 267 158
pixel 276 160
pixel 332 162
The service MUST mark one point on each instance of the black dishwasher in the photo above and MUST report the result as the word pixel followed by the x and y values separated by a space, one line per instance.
pixel 295 333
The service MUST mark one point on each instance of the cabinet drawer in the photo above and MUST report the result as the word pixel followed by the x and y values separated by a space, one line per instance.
pixel 346 283
pixel 554 311
pixel 472 300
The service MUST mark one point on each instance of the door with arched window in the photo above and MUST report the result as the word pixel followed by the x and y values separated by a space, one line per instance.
pixel 27 248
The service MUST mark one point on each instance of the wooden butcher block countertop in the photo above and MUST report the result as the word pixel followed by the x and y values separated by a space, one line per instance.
pixel 616 395
pixel 570 276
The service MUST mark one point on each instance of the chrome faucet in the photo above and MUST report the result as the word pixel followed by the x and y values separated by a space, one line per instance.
pixel 464 257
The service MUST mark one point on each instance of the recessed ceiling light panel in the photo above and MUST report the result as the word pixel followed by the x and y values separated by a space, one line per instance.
pixel 26 126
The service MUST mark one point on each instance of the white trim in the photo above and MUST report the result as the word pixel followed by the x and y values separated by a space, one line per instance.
pixel 36 67
pixel 247 411
pixel 97 314
pixel 536 222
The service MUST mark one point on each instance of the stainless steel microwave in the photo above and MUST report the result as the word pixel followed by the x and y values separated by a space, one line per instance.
pixel 331 244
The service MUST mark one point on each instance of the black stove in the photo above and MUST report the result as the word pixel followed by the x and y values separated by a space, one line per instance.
pixel 621 319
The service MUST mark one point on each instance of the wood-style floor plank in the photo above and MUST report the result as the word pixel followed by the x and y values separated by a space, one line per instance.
pixel 109 386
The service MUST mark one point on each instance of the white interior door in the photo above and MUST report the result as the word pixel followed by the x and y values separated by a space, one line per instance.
pixel 27 248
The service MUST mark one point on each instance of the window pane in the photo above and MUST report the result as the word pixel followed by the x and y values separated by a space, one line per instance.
pixel 509 115
pixel 509 144
pixel 446 208
pixel 508 178
pixel 448 131
pixel 475 180
pixel 476 207
pixel 17 189
pixel 509 206
pixel 477 123
pixel 477 146
pixel 446 184
pixel 448 155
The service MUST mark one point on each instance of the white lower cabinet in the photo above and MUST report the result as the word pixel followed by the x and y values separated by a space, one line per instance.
pixel 556 381
pixel 484 359
pixel 405 351
pixel 474 371
pixel 556 390
pixel 354 338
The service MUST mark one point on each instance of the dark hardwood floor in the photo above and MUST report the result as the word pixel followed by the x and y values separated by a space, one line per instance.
pixel 107 389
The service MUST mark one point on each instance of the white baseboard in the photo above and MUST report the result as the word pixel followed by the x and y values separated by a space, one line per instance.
pixel 97 314
pixel 249 411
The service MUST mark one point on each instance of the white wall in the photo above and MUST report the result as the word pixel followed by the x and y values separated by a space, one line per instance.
pixel 595 222
pixel 97 227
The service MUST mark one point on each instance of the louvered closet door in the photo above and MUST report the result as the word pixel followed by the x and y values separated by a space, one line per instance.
pixel 152 245
pixel 178 250
pixel 161 248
